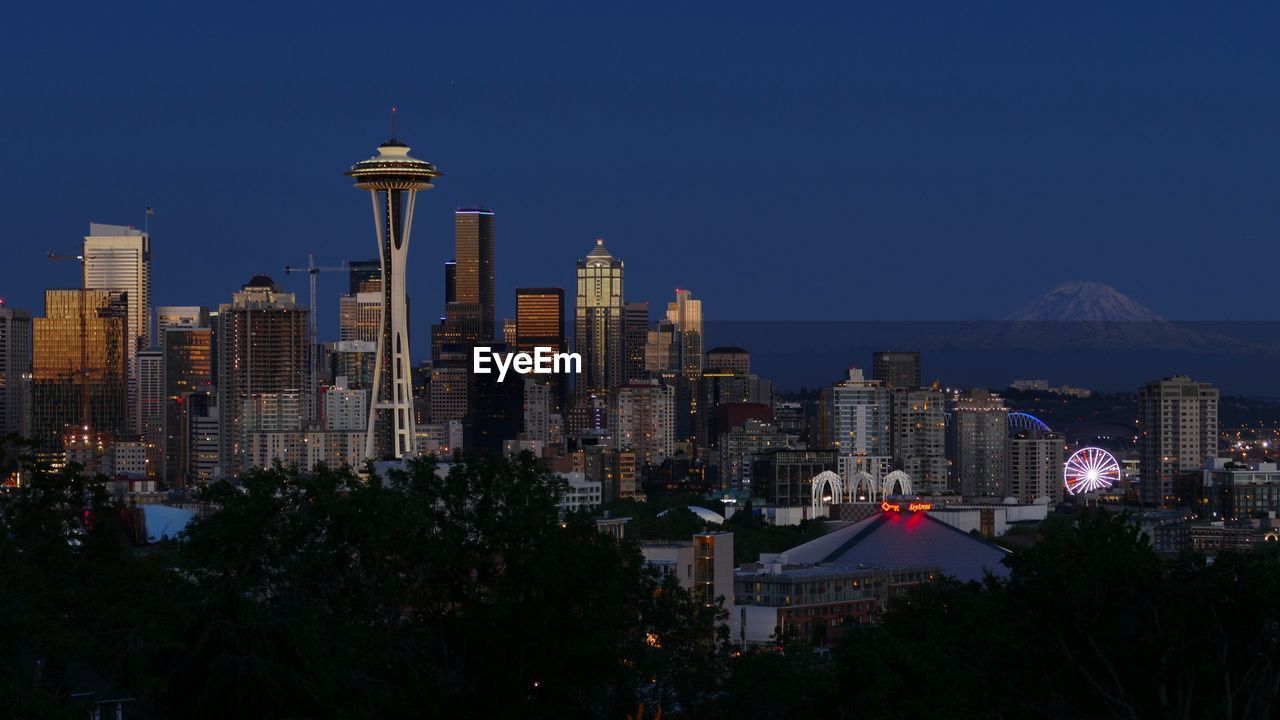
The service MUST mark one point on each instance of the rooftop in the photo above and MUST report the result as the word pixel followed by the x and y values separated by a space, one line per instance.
pixel 905 539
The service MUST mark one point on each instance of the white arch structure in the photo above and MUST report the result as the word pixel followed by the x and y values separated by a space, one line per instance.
pixel 826 480
pixel 899 478
pixel 862 482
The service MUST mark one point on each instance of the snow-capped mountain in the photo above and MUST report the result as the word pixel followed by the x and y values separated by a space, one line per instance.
pixel 1084 300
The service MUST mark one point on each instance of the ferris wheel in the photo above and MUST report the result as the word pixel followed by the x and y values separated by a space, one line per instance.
pixel 1090 469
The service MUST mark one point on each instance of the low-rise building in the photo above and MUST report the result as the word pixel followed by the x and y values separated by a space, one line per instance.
pixel 579 492
pixel 815 602
pixel 703 565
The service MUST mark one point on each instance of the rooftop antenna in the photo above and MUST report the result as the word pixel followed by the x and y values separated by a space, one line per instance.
pixel 393 122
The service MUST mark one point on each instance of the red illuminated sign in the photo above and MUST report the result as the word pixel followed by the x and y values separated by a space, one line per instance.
pixel 887 506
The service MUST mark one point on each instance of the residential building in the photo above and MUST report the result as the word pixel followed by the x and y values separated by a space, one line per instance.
pixel 263 353
pixel 981 425
pixel 1177 432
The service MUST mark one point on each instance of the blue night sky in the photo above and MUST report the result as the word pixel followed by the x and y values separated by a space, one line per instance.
pixel 781 160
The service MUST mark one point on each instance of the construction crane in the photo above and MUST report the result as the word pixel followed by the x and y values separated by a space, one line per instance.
pixel 312 270
pixel 84 344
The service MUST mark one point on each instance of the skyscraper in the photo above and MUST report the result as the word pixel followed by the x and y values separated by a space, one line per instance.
pixel 360 273
pixel 860 413
pixel 80 365
pixel 188 370
pixel 642 420
pixel 981 423
pixel 262 353
pixel 1178 432
pixel 450 282
pixel 393 180
pixel 635 337
pixel 1035 466
pixel 474 258
pixel 179 316
pixel 598 321
pixel 919 437
pixel 896 369
pixel 359 315
pixel 685 314
pixel 661 348
pixel 729 359
pixel 118 258
pixel 540 319
pixel 149 404
pixel 15 371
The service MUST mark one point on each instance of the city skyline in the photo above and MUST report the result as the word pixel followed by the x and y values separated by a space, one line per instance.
pixel 882 135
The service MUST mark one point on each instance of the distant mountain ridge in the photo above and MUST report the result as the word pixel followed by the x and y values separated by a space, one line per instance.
pixel 1087 301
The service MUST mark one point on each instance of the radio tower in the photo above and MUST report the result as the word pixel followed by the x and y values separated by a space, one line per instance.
pixel 393 180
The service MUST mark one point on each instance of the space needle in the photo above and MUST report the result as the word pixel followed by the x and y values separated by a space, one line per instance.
pixel 393 180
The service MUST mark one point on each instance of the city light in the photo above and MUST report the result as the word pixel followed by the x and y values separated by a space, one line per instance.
pixel 1090 469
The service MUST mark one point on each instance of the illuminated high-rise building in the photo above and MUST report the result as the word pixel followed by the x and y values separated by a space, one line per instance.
pixel 661 350
pixel 1178 432
pixel 80 365
pixel 685 314
pixel 118 258
pixel 262 350
pixel 859 410
pixel 1035 466
pixel 359 316
pixel 918 440
pixel 981 423
pixel 15 371
pixel 474 261
pixel 642 420
pixel 540 319
pixel 393 180
pixel 598 321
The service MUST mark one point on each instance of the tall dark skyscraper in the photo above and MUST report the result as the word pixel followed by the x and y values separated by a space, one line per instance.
pixel 635 334
pixel 15 371
pixel 261 350
pixel 360 272
pixel 188 368
pixel 896 369
pixel 393 179
pixel 473 253
pixel 450 282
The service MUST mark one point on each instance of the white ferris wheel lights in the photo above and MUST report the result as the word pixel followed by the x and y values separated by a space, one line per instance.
pixel 1090 469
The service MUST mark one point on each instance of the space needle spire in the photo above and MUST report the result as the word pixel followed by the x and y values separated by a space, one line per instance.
pixel 393 180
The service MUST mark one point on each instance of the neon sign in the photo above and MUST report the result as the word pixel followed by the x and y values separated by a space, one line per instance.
pixel 887 506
